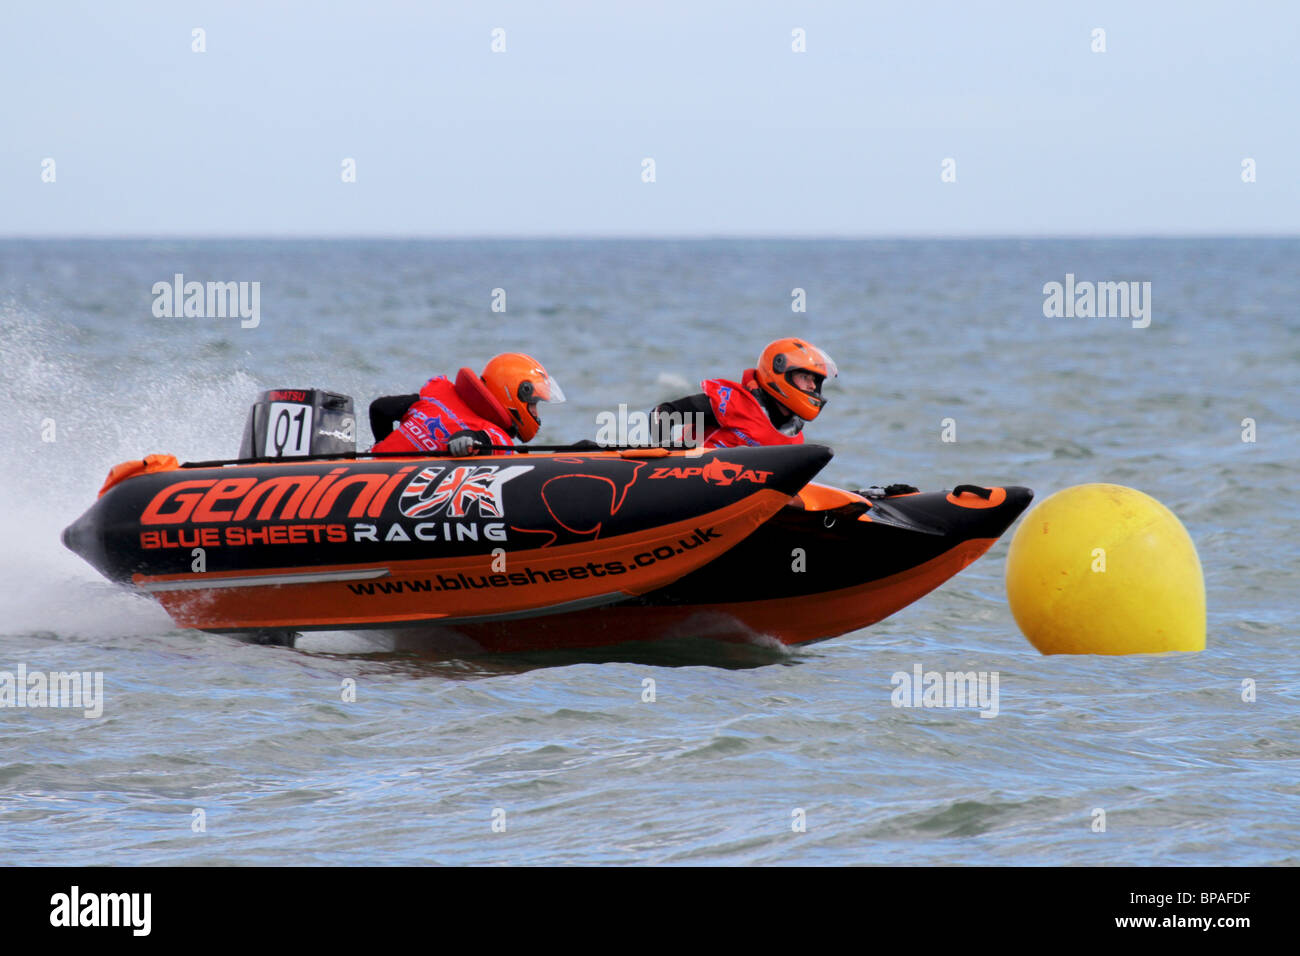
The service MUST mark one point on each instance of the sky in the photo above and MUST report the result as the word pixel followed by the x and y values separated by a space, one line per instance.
pixel 748 137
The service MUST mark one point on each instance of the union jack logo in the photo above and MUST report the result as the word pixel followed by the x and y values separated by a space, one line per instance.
pixel 463 487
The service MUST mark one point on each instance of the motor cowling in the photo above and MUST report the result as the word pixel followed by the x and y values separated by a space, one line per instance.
pixel 297 422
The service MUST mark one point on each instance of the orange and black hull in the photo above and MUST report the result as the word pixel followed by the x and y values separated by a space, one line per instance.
pixel 533 552
pixel 399 542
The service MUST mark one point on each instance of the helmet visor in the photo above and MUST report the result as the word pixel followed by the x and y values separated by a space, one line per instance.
pixel 541 388
pixel 818 362
pixel 812 364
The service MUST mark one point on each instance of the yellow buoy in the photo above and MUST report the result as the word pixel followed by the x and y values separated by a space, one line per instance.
pixel 1104 569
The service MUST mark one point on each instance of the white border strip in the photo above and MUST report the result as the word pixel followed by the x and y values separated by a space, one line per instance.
pixel 198 583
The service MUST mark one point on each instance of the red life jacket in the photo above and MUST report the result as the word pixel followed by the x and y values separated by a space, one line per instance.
pixel 742 419
pixel 443 409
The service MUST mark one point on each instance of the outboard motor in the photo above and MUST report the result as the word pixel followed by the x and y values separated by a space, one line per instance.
pixel 295 422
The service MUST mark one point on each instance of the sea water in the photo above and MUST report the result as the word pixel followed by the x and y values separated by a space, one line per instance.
pixel 954 368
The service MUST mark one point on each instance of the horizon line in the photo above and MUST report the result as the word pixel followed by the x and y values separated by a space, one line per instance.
pixel 631 237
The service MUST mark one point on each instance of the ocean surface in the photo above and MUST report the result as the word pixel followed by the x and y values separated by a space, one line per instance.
pixel 214 751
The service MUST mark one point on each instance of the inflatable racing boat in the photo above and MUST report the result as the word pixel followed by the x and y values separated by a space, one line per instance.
pixel 540 550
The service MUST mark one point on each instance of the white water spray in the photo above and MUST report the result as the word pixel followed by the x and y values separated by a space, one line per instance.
pixel 72 414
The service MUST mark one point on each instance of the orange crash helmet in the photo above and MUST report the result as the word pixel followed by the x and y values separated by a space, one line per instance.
pixel 779 363
pixel 519 382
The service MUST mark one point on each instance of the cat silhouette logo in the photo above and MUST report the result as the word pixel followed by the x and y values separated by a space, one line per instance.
pixel 719 472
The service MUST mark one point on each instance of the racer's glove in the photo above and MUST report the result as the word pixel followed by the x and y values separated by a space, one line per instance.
pixel 467 443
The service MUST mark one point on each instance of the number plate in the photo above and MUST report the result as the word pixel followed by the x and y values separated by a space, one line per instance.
pixel 288 430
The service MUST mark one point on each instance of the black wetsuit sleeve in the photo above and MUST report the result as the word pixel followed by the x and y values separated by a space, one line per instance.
pixel 688 407
pixel 386 410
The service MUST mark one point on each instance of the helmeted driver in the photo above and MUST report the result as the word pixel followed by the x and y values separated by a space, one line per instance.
pixel 472 414
pixel 768 406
